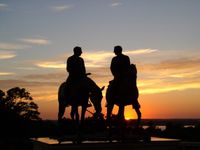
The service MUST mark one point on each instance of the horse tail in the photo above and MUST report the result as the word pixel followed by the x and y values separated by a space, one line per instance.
pixel 61 92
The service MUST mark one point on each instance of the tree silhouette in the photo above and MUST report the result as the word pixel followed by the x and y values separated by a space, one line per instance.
pixel 18 102
pixel 18 113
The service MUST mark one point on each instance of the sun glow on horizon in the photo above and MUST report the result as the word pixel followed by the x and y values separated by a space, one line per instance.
pixel 129 113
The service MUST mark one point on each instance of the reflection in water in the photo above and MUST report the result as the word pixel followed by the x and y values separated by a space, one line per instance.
pixel 46 140
pixel 163 127
pixel 163 139
pixel 49 140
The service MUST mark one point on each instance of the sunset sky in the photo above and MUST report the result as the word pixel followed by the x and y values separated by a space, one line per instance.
pixel 162 37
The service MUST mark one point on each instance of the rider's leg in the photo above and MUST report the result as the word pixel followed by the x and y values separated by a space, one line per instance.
pixel 109 112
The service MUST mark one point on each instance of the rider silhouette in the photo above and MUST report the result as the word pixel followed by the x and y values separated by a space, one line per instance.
pixel 119 65
pixel 76 66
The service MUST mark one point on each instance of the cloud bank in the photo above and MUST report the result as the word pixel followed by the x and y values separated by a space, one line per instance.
pixel 93 59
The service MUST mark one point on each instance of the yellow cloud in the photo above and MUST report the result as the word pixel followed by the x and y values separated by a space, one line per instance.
pixel 7 54
pixel 169 88
pixel 98 56
pixel 103 58
pixel 187 74
pixel 140 51
pixel 55 65
pixel 37 41
pixel 6 73
pixel 101 55
pixel 93 59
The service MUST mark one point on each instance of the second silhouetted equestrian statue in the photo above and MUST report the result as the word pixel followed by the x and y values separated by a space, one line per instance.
pixel 122 90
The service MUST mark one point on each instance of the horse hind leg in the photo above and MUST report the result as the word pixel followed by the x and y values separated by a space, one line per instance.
pixel 121 113
pixel 139 115
pixel 61 111
pixel 74 114
pixel 121 122
pixel 109 120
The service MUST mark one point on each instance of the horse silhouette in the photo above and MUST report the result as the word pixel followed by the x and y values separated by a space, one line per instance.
pixel 123 94
pixel 78 95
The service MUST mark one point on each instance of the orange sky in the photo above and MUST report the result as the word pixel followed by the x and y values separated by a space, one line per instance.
pixel 158 98
pixel 168 83
pixel 176 104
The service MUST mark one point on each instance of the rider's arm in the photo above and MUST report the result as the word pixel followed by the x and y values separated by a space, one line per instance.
pixel 113 67
pixel 69 65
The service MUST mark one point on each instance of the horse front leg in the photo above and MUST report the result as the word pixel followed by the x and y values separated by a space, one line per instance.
pixel 109 113
pixel 80 125
pixel 121 113
pixel 109 120
pixel 74 114
pixel 121 121
pixel 83 115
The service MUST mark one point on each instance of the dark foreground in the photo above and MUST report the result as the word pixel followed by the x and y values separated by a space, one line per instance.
pixel 95 135
pixel 54 144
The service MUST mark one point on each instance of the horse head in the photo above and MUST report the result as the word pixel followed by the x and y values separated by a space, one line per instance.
pixel 96 96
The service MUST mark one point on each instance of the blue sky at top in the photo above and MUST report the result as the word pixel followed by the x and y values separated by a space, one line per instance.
pixel 35 30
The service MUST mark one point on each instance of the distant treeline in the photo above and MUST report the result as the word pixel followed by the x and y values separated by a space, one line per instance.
pixel 174 121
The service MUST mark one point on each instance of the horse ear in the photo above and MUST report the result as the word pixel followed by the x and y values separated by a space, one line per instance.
pixel 102 88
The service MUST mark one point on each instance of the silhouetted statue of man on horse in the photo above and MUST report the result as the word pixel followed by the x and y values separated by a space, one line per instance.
pixel 122 90
pixel 78 89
